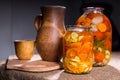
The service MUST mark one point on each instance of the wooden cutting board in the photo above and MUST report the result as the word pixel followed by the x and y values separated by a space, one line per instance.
pixel 33 65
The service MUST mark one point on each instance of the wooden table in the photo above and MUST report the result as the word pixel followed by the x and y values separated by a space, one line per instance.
pixel 109 72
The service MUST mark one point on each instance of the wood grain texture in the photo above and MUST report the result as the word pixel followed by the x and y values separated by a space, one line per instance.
pixel 33 65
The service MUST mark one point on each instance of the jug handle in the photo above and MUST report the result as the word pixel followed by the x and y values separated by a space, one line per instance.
pixel 38 21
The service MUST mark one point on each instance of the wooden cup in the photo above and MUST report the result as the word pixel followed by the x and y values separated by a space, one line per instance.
pixel 24 49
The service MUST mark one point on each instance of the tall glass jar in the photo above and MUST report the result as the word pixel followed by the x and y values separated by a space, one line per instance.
pixel 78 55
pixel 101 27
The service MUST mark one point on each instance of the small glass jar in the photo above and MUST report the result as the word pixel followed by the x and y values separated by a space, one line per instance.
pixel 101 27
pixel 77 54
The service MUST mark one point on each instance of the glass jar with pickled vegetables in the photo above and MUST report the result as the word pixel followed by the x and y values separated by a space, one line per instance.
pixel 78 55
pixel 101 27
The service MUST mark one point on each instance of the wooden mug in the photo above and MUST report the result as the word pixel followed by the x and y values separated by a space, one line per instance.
pixel 24 49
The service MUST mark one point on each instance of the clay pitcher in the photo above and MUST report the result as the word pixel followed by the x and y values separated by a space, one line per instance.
pixel 50 29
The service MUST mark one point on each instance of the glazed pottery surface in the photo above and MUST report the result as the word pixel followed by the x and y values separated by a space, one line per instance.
pixel 50 29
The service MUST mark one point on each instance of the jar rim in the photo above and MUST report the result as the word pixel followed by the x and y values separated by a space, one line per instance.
pixel 53 6
pixel 93 9
pixel 77 28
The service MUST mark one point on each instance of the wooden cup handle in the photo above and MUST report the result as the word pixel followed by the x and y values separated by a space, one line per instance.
pixel 38 21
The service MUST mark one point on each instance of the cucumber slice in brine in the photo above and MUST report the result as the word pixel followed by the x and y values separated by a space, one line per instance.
pixel 74 35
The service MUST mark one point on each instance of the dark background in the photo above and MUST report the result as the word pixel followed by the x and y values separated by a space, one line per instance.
pixel 17 19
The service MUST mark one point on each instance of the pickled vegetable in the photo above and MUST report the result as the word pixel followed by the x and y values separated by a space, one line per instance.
pixel 99 57
pixel 102 31
pixel 78 56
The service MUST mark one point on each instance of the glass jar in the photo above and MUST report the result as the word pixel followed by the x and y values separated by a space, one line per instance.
pixel 101 27
pixel 78 55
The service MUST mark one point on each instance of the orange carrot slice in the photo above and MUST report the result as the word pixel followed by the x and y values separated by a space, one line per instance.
pixel 102 27
pixel 107 23
pixel 87 47
pixel 85 51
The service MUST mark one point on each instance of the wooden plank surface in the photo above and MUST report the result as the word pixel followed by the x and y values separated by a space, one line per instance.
pixel 33 65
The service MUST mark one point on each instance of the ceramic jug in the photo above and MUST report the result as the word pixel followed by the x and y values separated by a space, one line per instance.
pixel 50 29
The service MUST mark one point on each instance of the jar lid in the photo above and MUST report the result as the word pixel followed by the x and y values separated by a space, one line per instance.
pixel 93 9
